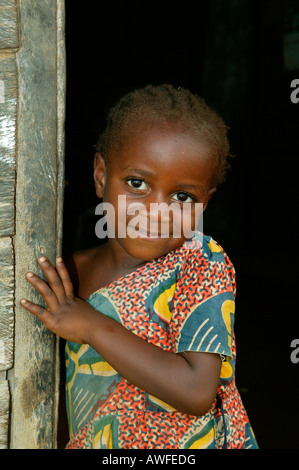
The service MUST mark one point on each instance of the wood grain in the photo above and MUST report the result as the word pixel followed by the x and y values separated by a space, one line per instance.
pixel 8 111
pixel 8 24
pixel 4 413
pixel 6 303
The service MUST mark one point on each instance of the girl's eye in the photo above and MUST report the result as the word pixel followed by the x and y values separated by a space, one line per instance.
pixel 137 183
pixel 184 197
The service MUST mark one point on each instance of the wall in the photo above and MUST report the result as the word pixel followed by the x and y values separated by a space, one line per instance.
pixel 32 89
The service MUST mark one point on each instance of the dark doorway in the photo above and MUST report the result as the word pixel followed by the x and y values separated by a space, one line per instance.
pixel 231 53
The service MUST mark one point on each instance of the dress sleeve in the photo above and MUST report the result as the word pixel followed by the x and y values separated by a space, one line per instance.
pixel 203 306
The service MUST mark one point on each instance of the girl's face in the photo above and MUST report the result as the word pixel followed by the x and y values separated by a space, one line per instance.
pixel 155 166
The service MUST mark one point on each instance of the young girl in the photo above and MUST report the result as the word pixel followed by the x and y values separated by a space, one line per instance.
pixel 150 350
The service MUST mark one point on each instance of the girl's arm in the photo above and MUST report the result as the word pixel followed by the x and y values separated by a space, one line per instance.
pixel 187 381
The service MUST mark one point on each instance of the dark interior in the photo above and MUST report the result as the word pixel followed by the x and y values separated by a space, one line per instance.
pixel 231 53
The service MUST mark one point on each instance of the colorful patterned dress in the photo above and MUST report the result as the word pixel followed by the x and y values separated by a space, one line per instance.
pixel 182 301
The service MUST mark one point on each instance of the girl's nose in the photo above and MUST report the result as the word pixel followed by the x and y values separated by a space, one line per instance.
pixel 155 203
pixel 157 207
pixel 152 212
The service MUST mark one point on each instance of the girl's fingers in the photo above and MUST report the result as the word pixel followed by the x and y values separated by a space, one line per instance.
pixel 44 290
pixel 53 278
pixel 36 310
pixel 65 277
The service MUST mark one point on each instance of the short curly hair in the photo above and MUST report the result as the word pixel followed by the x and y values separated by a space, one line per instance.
pixel 157 105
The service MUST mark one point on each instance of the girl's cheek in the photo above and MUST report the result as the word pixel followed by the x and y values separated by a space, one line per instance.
pixel 188 220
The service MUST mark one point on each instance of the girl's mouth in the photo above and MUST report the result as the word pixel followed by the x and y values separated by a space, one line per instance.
pixel 152 236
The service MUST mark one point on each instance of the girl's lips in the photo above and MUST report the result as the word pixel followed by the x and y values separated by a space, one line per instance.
pixel 146 235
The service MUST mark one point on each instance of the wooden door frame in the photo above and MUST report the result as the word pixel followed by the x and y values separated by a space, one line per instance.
pixel 32 367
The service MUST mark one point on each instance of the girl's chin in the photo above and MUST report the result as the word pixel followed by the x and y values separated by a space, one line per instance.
pixel 147 248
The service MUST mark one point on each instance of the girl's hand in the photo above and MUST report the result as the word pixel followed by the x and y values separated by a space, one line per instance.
pixel 67 316
pixel 187 381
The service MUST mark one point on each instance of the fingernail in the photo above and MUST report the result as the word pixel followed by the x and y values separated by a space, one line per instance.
pixel 59 259
pixel 23 301
pixel 42 259
pixel 29 274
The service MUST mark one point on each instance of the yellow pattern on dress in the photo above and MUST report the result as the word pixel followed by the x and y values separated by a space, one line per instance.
pixel 203 442
pixel 161 305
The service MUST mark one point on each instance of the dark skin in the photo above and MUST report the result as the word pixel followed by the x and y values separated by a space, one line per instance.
pixel 152 166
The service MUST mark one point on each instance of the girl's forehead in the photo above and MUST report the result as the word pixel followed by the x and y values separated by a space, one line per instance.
pixel 164 154
pixel 164 140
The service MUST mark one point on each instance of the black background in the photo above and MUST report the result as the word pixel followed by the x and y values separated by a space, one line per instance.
pixel 231 53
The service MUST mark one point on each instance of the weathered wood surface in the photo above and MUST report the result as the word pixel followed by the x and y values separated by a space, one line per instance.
pixel 6 303
pixel 4 413
pixel 8 111
pixel 8 24
pixel 33 378
pixel 8 114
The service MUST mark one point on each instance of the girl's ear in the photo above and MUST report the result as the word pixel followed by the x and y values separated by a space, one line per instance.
pixel 99 174
pixel 210 194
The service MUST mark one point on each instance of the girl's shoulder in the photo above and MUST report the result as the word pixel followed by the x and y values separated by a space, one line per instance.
pixel 201 245
pixel 205 255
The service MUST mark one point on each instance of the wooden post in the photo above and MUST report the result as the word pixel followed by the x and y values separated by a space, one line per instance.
pixel 9 42
pixel 32 97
